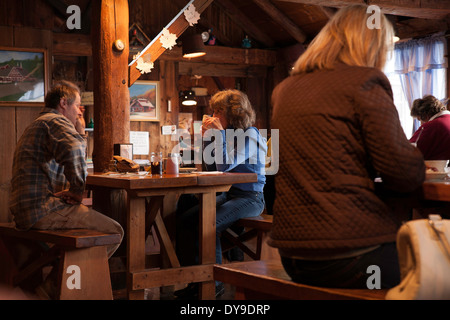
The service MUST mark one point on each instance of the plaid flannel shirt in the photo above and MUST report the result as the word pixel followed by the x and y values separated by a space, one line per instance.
pixel 49 157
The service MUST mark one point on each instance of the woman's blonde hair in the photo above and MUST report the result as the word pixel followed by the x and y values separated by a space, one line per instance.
pixel 235 106
pixel 346 38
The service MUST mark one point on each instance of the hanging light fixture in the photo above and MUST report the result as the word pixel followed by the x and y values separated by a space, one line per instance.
pixel 188 98
pixel 193 46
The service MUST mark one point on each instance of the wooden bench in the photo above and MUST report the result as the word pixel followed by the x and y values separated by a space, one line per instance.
pixel 254 227
pixel 79 255
pixel 267 280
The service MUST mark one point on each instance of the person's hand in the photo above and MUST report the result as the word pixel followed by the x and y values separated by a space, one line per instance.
pixel 80 125
pixel 210 123
pixel 69 197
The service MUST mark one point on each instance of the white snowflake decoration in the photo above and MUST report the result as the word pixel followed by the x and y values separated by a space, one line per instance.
pixel 144 63
pixel 168 40
pixel 191 15
pixel 144 67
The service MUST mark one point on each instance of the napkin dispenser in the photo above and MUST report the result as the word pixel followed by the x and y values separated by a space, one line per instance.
pixel 124 150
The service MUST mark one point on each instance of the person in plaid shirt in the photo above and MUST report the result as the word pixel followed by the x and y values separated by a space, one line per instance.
pixel 49 170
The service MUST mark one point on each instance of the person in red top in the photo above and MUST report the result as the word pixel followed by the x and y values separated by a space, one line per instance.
pixel 433 136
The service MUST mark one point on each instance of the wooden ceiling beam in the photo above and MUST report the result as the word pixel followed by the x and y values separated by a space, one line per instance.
pixel 282 20
pixel 207 24
pixel 155 48
pixel 227 56
pixel 68 44
pixel 412 28
pixel 59 6
pixel 221 70
pixel 245 23
pixel 329 12
pixel 72 44
pixel 429 9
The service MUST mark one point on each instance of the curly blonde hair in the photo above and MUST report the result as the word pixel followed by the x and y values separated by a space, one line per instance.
pixel 235 106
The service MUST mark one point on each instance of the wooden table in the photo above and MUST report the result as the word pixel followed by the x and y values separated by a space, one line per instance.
pixel 138 188
pixel 436 190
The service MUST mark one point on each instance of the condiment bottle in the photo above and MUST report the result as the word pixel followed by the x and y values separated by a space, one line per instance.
pixel 156 163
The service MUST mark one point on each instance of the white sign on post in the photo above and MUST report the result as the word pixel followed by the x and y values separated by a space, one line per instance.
pixel 140 141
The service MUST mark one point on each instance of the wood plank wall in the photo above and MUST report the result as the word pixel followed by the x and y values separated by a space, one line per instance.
pixel 14 119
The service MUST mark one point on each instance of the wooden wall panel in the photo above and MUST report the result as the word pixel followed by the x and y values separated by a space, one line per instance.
pixel 24 116
pixel 14 119
pixel 7 146
pixel 167 71
pixel 7 132
pixel 168 80
pixel 6 36
pixel 259 96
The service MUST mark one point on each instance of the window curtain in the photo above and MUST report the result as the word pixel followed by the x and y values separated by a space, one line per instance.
pixel 422 65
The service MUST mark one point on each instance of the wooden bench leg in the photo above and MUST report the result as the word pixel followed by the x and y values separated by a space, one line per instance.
pixel 89 279
pixel 8 268
pixel 16 256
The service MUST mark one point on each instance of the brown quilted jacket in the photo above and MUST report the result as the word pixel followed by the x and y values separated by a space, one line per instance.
pixel 338 130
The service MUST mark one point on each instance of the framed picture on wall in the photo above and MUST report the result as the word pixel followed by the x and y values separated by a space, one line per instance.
pixel 23 76
pixel 144 101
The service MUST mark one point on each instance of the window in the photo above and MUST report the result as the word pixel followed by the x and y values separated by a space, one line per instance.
pixel 417 68
pixel 400 100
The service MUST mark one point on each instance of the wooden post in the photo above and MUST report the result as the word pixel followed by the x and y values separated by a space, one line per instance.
pixel 110 66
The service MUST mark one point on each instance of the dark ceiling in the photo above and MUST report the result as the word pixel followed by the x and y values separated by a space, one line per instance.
pixel 282 23
pixel 286 22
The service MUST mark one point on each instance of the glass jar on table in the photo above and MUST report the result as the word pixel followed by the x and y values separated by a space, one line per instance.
pixel 156 163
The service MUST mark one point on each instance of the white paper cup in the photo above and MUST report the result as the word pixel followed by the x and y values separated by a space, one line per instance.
pixel 206 117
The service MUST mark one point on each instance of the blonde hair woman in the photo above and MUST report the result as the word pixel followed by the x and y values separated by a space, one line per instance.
pixel 347 39
pixel 339 130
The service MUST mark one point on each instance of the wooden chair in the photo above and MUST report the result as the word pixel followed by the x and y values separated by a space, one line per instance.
pixel 78 254
pixel 254 227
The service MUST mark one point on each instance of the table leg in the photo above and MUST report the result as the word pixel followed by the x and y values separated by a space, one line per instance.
pixel 207 240
pixel 135 243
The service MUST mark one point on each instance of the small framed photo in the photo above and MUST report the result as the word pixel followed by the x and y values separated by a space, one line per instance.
pixel 23 76
pixel 144 101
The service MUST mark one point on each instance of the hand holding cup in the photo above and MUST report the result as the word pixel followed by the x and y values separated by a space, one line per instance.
pixel 209 122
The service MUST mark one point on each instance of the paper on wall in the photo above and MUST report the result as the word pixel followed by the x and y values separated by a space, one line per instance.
pixel 140 141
